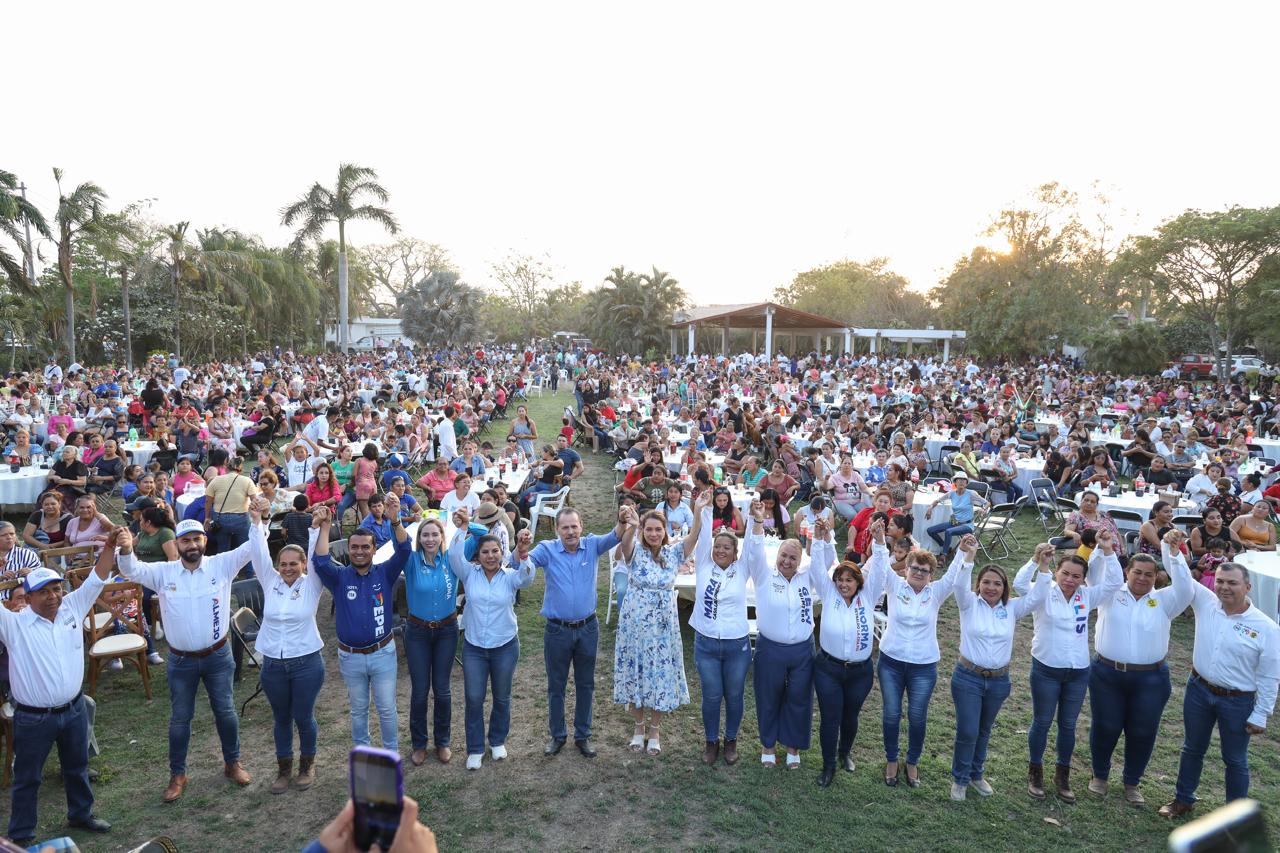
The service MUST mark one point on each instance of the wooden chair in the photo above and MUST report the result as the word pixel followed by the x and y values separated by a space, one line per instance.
pixel 70 557
pixel 76 577
pixel 105 644
pixel 6 711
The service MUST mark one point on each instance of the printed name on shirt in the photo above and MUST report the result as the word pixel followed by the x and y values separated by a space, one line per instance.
pixel 806 606
pixel 1244 630
pixel 1082 613
pixel 863 628
pixel 379 612
pixel 217 623
pixel 711 599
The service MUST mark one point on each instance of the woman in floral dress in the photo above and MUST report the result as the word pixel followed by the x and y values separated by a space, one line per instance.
pixel 648 662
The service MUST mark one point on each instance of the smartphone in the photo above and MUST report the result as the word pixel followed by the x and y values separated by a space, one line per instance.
pixel 377 789
pixel 1237 827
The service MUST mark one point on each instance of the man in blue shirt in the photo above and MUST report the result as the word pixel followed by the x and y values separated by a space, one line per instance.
pixel 572 632
pixel 571 458
pixel 378 521
pixel 362 594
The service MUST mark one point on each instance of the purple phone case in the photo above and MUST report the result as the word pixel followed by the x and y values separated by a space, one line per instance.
pixel 394 758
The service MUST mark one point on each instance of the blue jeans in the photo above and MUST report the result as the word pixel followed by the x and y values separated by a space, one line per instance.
pixel 480 669
pixel 347 502
pixel 1060 691
pixel 185 675
pixel 33 736
pixel 1200 711
pixel 429 653
pixel 722 670
pixel 292 685
pixel 784 692
pixel 376 671
pixel 561 647
pixel 942 533
pixel 917 681
pixel 233 533
pixel 1011 490
pixel 841 691
pixel 1130 703
pixel 977 701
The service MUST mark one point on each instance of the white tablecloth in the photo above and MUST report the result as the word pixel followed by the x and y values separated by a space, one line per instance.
pixel 1142 505
pixel 1270 447
pixel 919 506
pixel 686 584
pixel 24 487
pixel 1264 575
pixel 142 451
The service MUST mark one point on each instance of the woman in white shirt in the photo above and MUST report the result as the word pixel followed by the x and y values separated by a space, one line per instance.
pixel 842 670
pixel 1060 656
pixel 721 649
pixel 980 682
pixel 784 648
pixel 909 656
pixel 491 646
pixel 290 644
pixel 461 496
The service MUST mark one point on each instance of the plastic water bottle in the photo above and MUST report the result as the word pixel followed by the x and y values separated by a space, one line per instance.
pixel 133 434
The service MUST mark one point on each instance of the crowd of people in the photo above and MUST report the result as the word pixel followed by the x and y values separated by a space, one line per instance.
pixel 786 485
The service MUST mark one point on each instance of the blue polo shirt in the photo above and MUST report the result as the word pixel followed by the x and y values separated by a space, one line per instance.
pixel 571 577
pixel 381 531
pixel 432 588
pixel 363 603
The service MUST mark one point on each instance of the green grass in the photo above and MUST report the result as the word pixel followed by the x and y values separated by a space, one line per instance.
pixel 621 801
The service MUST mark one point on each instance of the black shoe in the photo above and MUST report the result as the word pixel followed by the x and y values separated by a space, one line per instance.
pixel 847 763
pixel 585 747
pixel 554 746
pixel 827 777
pixel 91 823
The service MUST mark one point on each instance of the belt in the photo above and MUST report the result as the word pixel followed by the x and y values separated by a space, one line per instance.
pixel 965 663
pixel 577 623
pixel 366 650
pixel 841 661
pixel 29 709
pixel 203 653
pixel 435 623
pixel 1215 689
pixel 1130 667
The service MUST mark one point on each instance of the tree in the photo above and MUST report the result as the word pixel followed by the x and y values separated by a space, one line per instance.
pixel 342 204
pixel 218 262
pixel 398 267
pixel 441 311
pixel 857 294
pixel 15 213
pixel 1204 263
pixel 631 311
pixel 523 279
pixel 1137 349
pixel 79 214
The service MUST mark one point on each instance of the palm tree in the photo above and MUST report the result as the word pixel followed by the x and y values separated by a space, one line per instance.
pixel 322 205
pixel 14 212
pixel 219 262
pixel 78 214
pixel 439 310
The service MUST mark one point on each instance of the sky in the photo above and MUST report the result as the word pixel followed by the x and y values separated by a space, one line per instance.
pixel 732 145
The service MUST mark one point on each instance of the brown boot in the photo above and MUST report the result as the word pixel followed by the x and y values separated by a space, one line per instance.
pixel 177 784
pixel 306 772
pixel 711 752
pixel 282 775
pixel 1062 781
pixel 236 773
pixel 1035 780
pixel 1175 809
pixel 731 752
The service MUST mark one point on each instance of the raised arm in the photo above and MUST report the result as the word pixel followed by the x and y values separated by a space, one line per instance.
pixel 822 556
pixel 260 556
pixel 630 522
pixel 391 505
pixel 1031 601
pixel 753 550
pixel 454 553
pixel 520 558
pixel 700 534
pixel 962 580
pixel 1104 559
pixel 1182 585
pixel 946 584
pixel 1026 576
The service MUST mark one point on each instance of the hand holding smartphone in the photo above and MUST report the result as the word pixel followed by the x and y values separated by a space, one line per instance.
pixel 377 790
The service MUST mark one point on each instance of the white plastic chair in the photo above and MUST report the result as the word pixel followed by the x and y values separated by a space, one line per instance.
pixel 535 384
pixel 547 504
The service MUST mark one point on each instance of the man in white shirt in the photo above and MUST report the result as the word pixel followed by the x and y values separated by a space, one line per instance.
pixel 52 372
pixel 318 430
pixel 46 671
pixel 181 374
pixel 195 605
pixel 1235 670
pixel 446 436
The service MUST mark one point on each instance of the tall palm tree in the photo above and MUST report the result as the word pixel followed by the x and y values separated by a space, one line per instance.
pixel 16 211
pixel 322 205
pixel 217 262
pixel 78 214
pixel 440 311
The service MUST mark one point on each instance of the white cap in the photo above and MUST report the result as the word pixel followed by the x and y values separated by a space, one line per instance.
pixel 41 577
pixel 188 526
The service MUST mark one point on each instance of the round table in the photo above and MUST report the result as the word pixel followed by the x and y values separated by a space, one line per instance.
pixel 1264 577
pixel 23 487
pixel 141 451
pixel 1130 502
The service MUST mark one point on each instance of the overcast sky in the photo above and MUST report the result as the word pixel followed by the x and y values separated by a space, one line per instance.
pixel 731 144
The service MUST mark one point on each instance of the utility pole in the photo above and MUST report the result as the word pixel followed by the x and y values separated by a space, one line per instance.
pixel 30 251
pixel 128 330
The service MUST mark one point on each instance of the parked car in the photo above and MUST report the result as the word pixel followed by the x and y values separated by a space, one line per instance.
pixel 1194 366
pixel 1241 365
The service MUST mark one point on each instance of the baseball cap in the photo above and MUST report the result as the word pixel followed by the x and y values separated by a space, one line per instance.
pixel 141 502
pixel 190 525
pixel 41 577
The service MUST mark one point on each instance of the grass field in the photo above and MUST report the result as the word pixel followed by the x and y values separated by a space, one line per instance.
pixel 621 801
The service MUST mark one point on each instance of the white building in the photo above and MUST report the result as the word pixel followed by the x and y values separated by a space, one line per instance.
pixel 370 332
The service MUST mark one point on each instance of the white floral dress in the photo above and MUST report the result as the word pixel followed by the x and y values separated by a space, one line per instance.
pixel 648 659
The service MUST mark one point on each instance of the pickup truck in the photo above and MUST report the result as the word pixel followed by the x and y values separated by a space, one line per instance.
pixel 1194 366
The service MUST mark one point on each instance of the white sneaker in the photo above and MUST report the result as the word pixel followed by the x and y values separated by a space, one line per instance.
pixel 154 659
pixel 473 761
pixel 116 665
pixel 499 752
pixel 982 786
pixel 957 792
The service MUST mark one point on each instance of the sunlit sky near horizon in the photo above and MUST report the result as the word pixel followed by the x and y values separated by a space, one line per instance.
pixel 730 144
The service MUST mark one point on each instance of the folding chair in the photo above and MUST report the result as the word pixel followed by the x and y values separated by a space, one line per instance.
pixel 248 593
pixel 245 626
pixel 107 645
pixel 941 464
pixel 1048 509
pixel 1128 516
pixel 994 531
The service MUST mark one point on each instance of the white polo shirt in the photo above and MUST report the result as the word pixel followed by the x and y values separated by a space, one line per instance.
pixel 288 627
pixel 720 595
pixel 1136 630
pixel 1061 638
pixel 911 635
pixel 46 659
pixel 848 629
